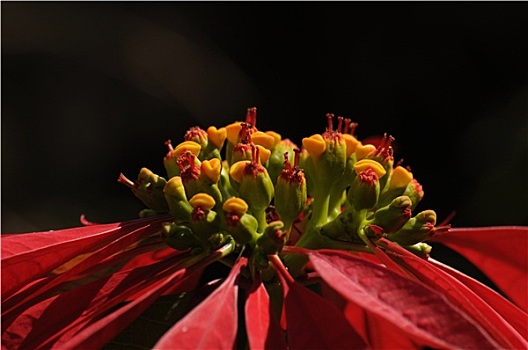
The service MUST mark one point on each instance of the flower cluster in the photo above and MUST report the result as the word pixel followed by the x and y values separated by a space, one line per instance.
pixel 325 245
pixel 238 183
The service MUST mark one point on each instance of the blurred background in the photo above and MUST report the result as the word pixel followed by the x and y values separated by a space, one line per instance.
pixel 92 89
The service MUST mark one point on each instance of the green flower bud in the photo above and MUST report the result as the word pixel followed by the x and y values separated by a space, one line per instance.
pixel 290 191
pixel 203 178
pixel 393 216
pixel 149 189
pixel 176 199
pixel 254 185
pixel 398 182
pixel 365 188
pixel 179 237
pixel 327 153
pixel 417 229
pixel 204 221
pixel 415 192
pixel 171 160
pixel 241 225
pixel 276 159
pixel 420 249
pixel 197 135
pixel 273 238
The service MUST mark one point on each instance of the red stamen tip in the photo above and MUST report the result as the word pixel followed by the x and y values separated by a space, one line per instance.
pixel 251 116
pixel 329 117
pixel 339 123
pixel 125 181
pixel 169 145
pixel 296 158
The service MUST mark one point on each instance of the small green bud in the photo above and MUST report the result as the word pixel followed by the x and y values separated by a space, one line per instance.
pixel 172 159
pixel 176 199
pixel 255 185
pixel 393 216
pixel 273 238
pixel 420 249
pixel 415 192
pixel 328 155
pixel 149 189
pixel 417 229
pixel 204 221
pixel 276 159
pixel 147 213
pixel 179 237
pixel 365 190
pixel 399 179
pixel 290 191
pixel 241 225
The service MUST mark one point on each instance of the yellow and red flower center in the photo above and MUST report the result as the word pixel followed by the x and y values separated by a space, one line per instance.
pixel 189 169
pixel 292 173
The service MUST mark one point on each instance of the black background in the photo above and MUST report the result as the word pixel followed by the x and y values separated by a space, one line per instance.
pixel 93 89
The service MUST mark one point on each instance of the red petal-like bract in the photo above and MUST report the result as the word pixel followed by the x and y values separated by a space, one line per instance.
pixel 499 252
pixel 460 295
pixel 263 329
pixel 420 312
pixel 64 317
pixel 26 257
pixel 313 322
pixel 212 324
pixel 516 317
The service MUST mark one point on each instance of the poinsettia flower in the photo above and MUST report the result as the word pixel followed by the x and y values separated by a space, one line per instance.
pixel 360 275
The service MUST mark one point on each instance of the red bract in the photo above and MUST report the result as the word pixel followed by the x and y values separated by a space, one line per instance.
pixel 499 252
pixel 433 305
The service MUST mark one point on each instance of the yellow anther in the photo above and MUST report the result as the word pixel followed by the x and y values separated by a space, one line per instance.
pixel 174 187
pixel 364 150
pixel 202 200
pixel 315 145
pixel 365 164
pixel 263 139
pixel 235 205
pixel 216 136
pixel 400 178
pixel 276 136
pixel 232 131
pixel 212 168
pixel 264 154
pixel 237 170
pixel 191 146
pixel 351 144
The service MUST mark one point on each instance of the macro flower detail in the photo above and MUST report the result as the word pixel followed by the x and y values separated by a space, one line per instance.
pixel 260 244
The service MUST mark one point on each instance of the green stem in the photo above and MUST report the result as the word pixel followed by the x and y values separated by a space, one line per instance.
pixel 320 204
pixel 261 219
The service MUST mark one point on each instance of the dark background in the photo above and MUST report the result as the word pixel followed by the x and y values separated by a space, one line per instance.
pixel 93 89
